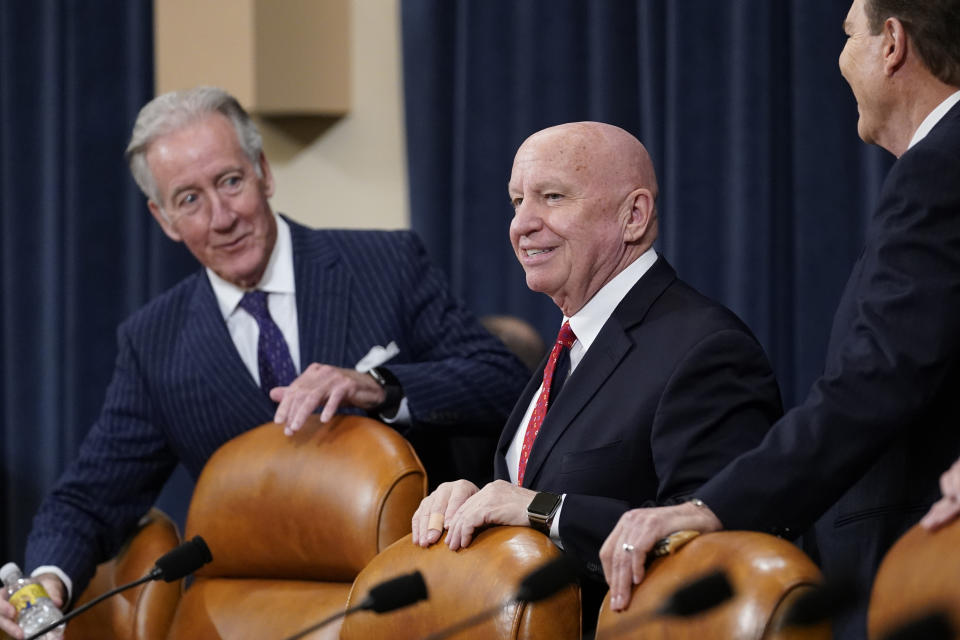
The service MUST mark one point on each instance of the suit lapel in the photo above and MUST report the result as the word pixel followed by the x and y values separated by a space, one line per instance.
pixel 208 342
pixel 323 300
pixel 600 361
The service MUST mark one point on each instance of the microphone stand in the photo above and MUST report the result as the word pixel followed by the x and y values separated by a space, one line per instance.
pixel 153 575
pixel 326 621
pixel 473 620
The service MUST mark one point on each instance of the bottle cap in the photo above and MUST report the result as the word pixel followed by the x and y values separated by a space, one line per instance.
pixel 8 570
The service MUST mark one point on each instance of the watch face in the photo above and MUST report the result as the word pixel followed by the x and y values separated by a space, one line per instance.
pixel 543 504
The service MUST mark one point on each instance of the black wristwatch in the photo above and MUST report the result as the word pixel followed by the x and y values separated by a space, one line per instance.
pixel 541 510
pixel 393 392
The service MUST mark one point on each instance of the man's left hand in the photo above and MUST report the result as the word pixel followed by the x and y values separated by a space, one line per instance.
pixel 948 507
pixel 499 502
pixel 624 553
pixel 322 384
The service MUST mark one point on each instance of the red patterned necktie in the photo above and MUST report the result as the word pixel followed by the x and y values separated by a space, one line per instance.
pixel 565 339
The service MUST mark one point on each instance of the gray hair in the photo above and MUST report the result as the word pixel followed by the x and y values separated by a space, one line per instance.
pixel 173 111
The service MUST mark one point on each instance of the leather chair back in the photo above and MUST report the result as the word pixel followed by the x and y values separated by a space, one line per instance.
pixel 463 583
pixel 767 575
pixel 141 613
pixel 919 576
pixel 291 521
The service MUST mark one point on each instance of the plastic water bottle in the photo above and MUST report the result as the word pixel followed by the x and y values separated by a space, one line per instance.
pixel 35 609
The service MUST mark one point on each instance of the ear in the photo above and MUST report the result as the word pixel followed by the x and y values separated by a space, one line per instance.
pixel 161 219
pixel 640 214
pixel 894 45
pixel 267 179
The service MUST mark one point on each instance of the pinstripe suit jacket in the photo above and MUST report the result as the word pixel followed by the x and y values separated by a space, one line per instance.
pixel 180 390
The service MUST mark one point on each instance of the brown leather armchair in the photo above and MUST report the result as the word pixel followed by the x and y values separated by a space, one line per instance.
pixel 463 583
pixel 144 612
pixel 291 521
pixel 767 574
pixel 919 576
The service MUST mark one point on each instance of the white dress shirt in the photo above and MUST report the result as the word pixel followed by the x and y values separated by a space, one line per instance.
pixel 933 118
pixel 586 324
pixel 281 290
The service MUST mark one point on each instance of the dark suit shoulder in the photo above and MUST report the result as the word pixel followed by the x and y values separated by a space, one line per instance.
pixel 170 304
pixel 677 306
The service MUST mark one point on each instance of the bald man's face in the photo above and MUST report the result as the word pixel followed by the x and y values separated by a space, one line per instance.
pixel 568 225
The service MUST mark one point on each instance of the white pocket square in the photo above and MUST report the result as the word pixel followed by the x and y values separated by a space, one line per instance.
pixel 377 356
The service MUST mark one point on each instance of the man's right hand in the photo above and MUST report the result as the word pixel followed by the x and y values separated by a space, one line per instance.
pixel 441 504
pixel 8 614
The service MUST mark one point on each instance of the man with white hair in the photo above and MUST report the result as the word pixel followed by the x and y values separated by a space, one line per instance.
pixel 270 328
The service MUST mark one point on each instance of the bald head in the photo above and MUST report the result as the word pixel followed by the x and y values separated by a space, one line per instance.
pixel 612 157
pixel 584 198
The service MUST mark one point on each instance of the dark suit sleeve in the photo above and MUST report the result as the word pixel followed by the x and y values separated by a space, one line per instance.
pixel 457 374
pixel 122 465
pixel 719 401
pixel 896 345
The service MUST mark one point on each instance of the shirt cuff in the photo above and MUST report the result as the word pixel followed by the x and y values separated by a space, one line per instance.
pixel 555 525
pixel 57 571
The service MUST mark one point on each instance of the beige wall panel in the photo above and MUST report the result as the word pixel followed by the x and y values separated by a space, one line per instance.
pixel 349 172
pixel 188 52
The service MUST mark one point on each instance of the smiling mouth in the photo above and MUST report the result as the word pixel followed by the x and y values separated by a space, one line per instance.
pixel 227 246
pixel 533 252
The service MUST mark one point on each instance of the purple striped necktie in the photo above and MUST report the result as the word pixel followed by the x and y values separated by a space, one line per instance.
pixel 273 354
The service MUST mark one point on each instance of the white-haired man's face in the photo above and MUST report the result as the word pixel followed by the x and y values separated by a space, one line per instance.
pixel 213 199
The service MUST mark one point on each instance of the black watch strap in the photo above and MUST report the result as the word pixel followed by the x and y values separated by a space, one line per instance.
pixel 393 392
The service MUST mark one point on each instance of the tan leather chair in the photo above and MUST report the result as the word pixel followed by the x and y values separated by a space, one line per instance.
pixel 144 612
pixel 291 521
pixel 767 575
pixel 463 583
pixel 919 575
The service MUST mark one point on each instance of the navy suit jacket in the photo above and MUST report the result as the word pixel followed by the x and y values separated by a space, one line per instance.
pixel 864 452
pixel 671 390
pixel 180 389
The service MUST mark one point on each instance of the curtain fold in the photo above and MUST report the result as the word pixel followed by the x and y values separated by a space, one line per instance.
pixel 764 184
pixel 78 250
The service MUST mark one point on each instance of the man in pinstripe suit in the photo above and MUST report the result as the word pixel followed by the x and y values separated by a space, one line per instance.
pixel 187 377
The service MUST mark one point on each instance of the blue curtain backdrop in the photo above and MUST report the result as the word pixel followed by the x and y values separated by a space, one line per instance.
pixel 78 249
pixel 765 187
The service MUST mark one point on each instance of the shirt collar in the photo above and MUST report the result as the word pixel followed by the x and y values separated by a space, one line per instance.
pixel 933 118
pixel 587 322
pixel 277 277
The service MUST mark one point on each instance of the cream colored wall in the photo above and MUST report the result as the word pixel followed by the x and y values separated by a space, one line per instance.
pixel 349 172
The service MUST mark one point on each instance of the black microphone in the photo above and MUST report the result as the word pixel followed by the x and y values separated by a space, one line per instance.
pixel 396 593
pixel 933 626
pixel 821 603
pixel 390 595
pixel 702 594
pixel 173 565
pixel 541 583
pixel 182 561
pixel 547 579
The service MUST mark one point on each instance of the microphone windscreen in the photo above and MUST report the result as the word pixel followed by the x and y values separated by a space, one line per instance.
pixel 703 593
pixel 184 560
pixel 396 593
pixel 933 626
pixel 547 579
pixel 821 603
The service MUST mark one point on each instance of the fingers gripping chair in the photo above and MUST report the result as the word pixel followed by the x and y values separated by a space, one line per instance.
pixel 463 583
pixel 767 574
pixel 291 521
pixel 142 613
